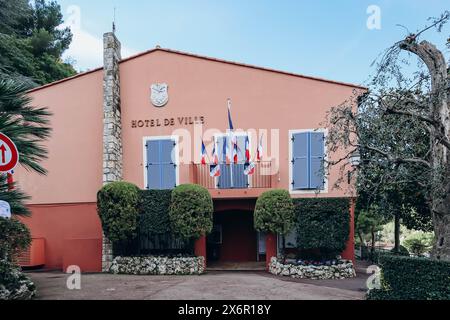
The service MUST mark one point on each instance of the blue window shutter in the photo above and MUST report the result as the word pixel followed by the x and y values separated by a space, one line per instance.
pixel 153 165
pixel 167 164
pixel 240 180
pixel 300 163
pixel 224 180
pixel 317 148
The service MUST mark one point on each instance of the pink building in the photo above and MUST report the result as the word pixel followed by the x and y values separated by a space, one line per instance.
pixel 124 121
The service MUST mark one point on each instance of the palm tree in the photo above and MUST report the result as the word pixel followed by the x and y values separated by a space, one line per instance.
pixel 28 127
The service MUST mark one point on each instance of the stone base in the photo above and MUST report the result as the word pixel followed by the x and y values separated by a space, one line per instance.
pixel 152 265
pixel 344 269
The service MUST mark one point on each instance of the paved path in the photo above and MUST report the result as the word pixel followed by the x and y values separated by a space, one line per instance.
pixel 210 286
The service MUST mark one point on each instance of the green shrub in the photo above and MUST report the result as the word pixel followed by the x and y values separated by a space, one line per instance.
pixel 323 224
pixel 191 211
pixel 154 205
pixel 117 205
pixel 14 237
pixel 274 212
pixel 402 251
pixel 406 278
pixel 14 285
pixel 419 242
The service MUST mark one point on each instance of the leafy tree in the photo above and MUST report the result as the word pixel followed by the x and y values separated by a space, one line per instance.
pixel 419 104
pixel 28 127
pixel 31 42
pixel 369 222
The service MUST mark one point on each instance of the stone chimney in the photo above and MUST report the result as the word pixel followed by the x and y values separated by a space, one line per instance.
pixel 112 125
pixel 112 128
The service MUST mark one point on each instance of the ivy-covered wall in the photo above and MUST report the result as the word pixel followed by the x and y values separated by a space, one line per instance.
pixel 322 226
pixel 154 232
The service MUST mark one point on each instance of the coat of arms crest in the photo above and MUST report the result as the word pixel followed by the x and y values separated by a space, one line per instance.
pixel 159 94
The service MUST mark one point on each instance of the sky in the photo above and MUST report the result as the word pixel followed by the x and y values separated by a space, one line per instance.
pixel 335 40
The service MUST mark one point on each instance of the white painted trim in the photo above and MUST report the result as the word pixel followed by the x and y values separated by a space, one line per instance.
pixel 291 133
pixel 174 138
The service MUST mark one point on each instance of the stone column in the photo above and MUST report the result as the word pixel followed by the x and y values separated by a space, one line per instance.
pixel 112 125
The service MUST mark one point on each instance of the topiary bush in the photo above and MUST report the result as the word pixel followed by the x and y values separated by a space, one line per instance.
pixel 274 212
pixel 14 237
pixel 117 206
pixel 406 278
pixel 191 211
pixel 323 224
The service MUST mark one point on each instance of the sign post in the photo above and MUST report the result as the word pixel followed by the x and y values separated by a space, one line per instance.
pixel 9 157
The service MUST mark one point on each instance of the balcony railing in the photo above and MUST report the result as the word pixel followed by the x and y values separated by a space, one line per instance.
pixel 233 177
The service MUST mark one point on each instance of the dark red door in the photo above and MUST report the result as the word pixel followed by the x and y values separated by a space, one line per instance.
pixel 238 236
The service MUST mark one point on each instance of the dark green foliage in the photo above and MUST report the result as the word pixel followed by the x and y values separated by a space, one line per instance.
pixel 154 207
pixel 117 205
pixel 401 252
pixel 14 285
pixel 14 237
pixel 323 224
pixel 405 278
pixel 191 211
pixel 31 43
pixel 274 212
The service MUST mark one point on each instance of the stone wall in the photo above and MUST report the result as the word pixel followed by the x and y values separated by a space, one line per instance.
pixel 112 125
pixel 343 269
pixel 153 265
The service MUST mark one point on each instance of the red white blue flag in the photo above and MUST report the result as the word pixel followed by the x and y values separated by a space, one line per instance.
pixel 247 149
pixel 226 150
pixel 233 137
pixel 204 155
pixel 214 170
pixel 259 152
pixel 215 156
pixel 249 169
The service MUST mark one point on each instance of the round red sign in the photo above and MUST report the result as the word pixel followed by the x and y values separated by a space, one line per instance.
pixel 9 155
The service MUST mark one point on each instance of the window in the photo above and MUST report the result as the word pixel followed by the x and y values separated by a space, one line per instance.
pixel 232 175
pixel 308 154
pixel 161 168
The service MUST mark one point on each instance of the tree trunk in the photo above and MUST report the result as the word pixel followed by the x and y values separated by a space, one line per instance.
pixel 440 140
pixel 397 232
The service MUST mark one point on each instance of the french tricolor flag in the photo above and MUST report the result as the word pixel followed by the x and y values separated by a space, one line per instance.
pixel 226 150
pixel 247 149
pixel 259 151
pixel 215 156
pixel 204 155
pixel 249 168
pixel 214 170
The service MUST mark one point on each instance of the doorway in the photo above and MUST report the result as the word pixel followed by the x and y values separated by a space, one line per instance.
pixel 234 238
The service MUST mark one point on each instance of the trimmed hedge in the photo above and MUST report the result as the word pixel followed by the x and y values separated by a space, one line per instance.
pixel 154 218
pixel 191 211
pixel 323 224
pixel 405 278
pixel 117 206
pixel 274 212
